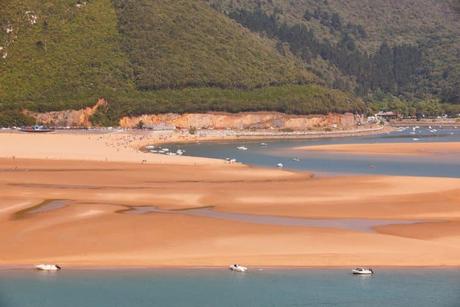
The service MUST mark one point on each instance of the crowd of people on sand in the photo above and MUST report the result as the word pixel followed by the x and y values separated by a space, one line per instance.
pixel 134 139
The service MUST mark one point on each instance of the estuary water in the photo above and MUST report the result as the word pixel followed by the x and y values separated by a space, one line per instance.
pixel 271 152
pixel 222 288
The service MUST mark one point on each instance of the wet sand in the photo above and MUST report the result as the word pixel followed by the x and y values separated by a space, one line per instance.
pixel 81 220
pixel 396 149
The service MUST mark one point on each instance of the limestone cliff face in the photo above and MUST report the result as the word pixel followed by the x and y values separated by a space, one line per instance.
pixel 68 118
pixel 237 121
pixel 241 121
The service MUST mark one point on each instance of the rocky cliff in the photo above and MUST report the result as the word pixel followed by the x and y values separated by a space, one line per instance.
pixel 243 121
pixel 68 118
pixel 234 121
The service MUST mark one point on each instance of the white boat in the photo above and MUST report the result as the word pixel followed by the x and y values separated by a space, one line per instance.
pixel 362 271
pixel 242 148
pixel 296 159
pixel 280 165
pixel 47 267
pixel 263 144
pixel 237 268
pixel 415 139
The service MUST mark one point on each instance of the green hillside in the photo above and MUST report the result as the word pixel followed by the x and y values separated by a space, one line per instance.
pixel 348 36
pixel 185 43
pixel 146 56
pixel 67 57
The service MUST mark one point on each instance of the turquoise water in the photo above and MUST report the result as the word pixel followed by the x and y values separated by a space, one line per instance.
pixel 280 151
pixel 200 288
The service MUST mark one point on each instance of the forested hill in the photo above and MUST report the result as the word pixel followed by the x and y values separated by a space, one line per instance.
pixel 147 56
pixel 155 56
pixel 404 48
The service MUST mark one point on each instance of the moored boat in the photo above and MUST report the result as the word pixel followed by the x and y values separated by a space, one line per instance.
pixel 47 267
pixel 362 271
pixel 36 129
pixel 237 268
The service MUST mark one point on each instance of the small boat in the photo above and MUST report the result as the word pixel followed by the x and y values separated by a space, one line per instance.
pixel 36 129
pixel 296 159
pixel 415 139
pixel 242 148
pixel 237 268
pixel 280 165
pixel 48 267
pixel 362 271
pixel 263 144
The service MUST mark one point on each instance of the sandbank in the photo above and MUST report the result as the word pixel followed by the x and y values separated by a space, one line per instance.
pixel 94 230
pixel 385 149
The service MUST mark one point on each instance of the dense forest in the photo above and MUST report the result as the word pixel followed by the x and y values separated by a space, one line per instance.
pixel 391 69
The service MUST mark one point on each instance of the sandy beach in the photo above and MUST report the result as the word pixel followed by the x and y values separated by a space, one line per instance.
pixel 63 202
pixel 397 149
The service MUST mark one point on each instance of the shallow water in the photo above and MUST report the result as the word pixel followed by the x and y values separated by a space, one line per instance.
pixel 219 287
pixel 363 225
pixel 280 151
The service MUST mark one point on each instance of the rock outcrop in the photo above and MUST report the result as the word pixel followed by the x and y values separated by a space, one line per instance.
pixel 243 121
pixel 69 118
pixel 234 121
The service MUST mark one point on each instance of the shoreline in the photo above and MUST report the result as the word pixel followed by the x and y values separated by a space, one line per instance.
pixel 29 268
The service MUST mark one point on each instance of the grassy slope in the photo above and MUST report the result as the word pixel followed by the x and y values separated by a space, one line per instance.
pixel 68 58
pixel 174 44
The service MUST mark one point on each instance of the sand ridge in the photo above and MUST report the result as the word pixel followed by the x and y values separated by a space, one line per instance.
pixel 396 149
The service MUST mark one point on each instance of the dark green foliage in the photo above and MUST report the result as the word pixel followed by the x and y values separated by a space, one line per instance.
pixel 294 99
pixel 432 26
pixel 389 69
pixel 10 118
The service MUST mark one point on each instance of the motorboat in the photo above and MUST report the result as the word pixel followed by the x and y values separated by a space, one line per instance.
pixel 263 144
pixel 280 165
pixel 36 129
pixel 48 267
pixel 242 148
pixel 362 271
pixel 296 159
pixel 237 268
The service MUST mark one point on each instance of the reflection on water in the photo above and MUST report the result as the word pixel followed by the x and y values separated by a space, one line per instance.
pixel 363 225
pixel 280 151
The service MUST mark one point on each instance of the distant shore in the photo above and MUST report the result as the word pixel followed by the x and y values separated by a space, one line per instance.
pixel 120 145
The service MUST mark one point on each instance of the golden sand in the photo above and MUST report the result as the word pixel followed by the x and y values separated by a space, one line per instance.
pixel 92 229
pixel 93 179
pixel 398 149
